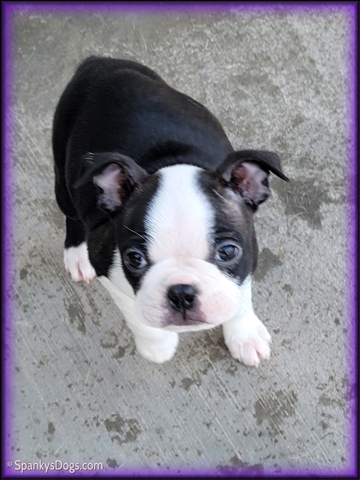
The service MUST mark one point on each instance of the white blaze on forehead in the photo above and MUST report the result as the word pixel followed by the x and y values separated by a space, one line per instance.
pixel 180 218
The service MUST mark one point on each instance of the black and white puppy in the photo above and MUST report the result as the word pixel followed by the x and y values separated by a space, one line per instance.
pixel 160 207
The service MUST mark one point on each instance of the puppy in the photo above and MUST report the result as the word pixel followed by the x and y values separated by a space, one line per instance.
pixel 160 207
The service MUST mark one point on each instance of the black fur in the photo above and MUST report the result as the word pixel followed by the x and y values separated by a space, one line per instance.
pixel 118 107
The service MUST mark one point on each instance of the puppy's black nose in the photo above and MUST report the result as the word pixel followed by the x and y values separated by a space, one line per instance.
pixel 181 298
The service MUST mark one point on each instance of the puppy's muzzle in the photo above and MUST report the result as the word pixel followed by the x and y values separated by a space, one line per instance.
pixel 181 298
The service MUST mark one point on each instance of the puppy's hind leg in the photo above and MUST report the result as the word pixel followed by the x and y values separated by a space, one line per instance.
pixel 76 255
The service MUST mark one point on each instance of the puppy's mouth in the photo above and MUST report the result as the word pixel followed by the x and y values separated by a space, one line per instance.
pixel 181 317
pixel 175 322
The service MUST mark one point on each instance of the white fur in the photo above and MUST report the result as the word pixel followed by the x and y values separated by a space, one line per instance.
pixel 153 344
pixel 180 217
pixel 245 335
pixel 77 263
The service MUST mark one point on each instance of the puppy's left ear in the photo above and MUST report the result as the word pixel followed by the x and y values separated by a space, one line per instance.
pixel 246 172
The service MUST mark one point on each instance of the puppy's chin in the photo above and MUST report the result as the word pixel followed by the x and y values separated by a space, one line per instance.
pixel 189 328
pixel 194 320
pixel 218 297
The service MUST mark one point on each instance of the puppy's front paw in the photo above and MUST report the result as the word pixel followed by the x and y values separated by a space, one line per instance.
pixel 77 263
pixel 247 339
pixel 158 351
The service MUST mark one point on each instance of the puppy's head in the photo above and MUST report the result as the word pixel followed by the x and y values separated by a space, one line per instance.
pixel 185 236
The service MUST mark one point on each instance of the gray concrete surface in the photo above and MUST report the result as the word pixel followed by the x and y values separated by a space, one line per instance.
pixel 80 392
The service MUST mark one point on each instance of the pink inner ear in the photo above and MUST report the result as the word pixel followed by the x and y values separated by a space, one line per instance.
pixel 110 182
pixel 249 178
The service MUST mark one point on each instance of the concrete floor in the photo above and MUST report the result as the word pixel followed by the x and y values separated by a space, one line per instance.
pixel 276 81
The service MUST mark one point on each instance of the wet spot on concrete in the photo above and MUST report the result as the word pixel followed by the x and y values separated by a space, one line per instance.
pixel 327 401
pixel 286 342
pixel 274 407
pixel 111 463
pixel 50 431
pixel 324 425
pixel 214 347
pixel 44 360
pixel 126 429
pixel 95 311
pixel 51 428
pixel 239 463
pixel 233 368
pixel 133 352
pixel 187 382
pixel 160 431
pixel 303 198
pixel 120 352
pixel 96 420
pixel 288 289
pixel 266 262
pixel 218 352
pixel 23 274
pixel 111 340
pixel 98 378
pixel 76 316
pixel 297 120
pixel 236 464
pixel 205 367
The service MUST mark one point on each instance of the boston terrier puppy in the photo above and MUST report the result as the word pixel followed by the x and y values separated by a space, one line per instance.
pixel 160 207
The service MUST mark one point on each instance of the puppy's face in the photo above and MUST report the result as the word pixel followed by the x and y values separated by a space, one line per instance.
pixel 185 238
pixel 186 246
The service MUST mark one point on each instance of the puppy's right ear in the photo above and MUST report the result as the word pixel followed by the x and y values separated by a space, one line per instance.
pixel 115 177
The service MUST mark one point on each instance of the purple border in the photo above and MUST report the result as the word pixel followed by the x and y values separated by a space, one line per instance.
pixel 182 6
pixel 353 219
pixel 9 8
pixel 6 252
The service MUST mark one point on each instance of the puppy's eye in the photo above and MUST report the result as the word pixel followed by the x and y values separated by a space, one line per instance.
pixel 134 260
pixel 226 252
